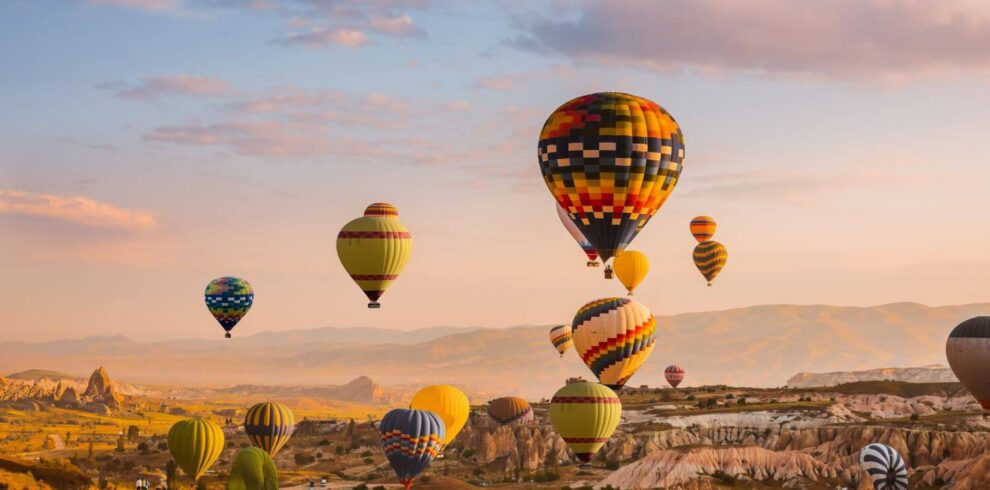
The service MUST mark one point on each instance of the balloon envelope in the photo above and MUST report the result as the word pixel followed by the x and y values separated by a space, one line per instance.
pixel 585 415
pixel 449 403
pixel 195 445
pixel 614 337
pixel 510 410
pixel 703 228
pixel 575 233
pixel 253 469
pixel 560 337
pixel 411 440
pixel 374 249
pixel 610 160
pixel 229 299
pixel 674 374
pixel 631 267
pixel 269 426
pixel 884 467
pixel 968 352
pixel 710 258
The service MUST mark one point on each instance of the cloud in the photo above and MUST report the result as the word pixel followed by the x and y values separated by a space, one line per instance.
pixel 322 37
pixel 347 23
pixel 80 210
pixel 157 87
pixel 867 40
pixel 146 5
pixel 267 138
pixel 83 144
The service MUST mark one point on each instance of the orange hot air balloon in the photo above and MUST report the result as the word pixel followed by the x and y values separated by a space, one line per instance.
pixel 703 228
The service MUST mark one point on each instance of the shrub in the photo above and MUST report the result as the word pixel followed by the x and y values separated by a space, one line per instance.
pixel 915 416
pixel 467 453
pixel 302 459
pixel 611 465
pixel 368 460
pixel 366 454
pixel 363 486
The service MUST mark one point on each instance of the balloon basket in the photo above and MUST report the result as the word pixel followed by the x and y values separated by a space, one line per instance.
pixel 227 335
pixel 592 263
pixel 609 273
pixel 374 305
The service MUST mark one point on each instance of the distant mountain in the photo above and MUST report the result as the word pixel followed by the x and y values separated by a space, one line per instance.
pixel 755 346
pixel 359 390
pixel 935 373
pixel 36 374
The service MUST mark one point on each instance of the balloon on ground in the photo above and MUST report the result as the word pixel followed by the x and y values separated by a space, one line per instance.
pixel 631 267
pixel 585 415
pixel 614 337
pixel 510 410
pixel 269 426
pixel 411 440
pixel 195 445
pixel 883 467
pixel 560 337
pixel 253 469
pixel 374 249
pixel 447 402
pixel 229 299
pixel 610 160
pixel 968 352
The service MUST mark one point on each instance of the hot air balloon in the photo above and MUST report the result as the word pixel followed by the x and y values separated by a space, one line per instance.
pixel 610 160
pixel 674 374
pixel 614 337
pixel 195 445
pixel 631 267
pixel 968 352
pixel 449 403
pixel 585 415
pixel 253 469
pixel 710 258
pixel 269 426
pixel 884 467
pixel 411 440
pixel 510 410
pixel 229 299
pixel 578 236
pixel 560 336
pixel 374 249
pixel 703 227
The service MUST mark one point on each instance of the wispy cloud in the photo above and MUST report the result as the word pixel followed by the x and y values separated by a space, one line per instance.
pixel 347 23
pixel 868 40
pixel 171 85
pixel 80 210
pixel 146 5
pixel 323 36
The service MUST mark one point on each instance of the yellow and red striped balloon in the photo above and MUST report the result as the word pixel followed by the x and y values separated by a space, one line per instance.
pixel 374 249
pixel 585 415
pixel 703 228
pixel 560 337
pixel 614 337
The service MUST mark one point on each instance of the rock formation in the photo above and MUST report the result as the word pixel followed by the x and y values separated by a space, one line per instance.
pixel 935 373
pixel 100 395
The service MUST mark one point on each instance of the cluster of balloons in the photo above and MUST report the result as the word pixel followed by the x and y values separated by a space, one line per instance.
pixel 195 445
pixel 709 256
pixel 373 249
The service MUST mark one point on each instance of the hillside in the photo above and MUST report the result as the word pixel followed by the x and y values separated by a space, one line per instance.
pixel 756 346
pixel 935 373
pixel 37 374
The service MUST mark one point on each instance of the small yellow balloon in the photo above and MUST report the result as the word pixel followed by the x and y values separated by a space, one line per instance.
pixel 631 267
pixel 448 403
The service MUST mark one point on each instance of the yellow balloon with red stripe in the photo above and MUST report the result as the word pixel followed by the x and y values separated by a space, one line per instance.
pixel 614 337
pixel 585 415
pixel 374 249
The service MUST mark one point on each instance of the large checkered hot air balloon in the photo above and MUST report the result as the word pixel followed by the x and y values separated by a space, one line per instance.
pixel 411 440
pixel 614 337
pixel 374 249
pixel 610 160
pixel 269 425
pixel 229 299
pixel 578 237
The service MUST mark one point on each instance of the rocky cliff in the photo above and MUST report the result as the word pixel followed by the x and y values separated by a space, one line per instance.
pixel 100 395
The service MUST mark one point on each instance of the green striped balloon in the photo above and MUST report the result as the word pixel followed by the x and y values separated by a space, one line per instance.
pixel 195 445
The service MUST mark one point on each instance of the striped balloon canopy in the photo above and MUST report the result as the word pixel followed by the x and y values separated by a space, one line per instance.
pixel 710 258
pixel 510 410
pixel 884 467
pixel 560 337
pixel 610 160
pixel 585 415
pixel 269 425
pixel 674 374
pixel 411 440
pixel 703 228
pixel 253 469
pixel 968 352
pixel 374 249
pixel 229 299
pixel 195 444
pixel 614 337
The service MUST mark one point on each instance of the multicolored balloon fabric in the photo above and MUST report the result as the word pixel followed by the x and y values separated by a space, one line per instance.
pixel 374 249
pixel 610 160
pixel 703 228
pixel 710 258
pixel 585 415
pixel 560 337
pixel 411 440
pixel 884 467
pixel 269 426
pixel 674 374
pixel 575 233
pixel 614 337
pixel 229 299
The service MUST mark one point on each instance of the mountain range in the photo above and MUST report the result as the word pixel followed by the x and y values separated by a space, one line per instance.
pixel 753 346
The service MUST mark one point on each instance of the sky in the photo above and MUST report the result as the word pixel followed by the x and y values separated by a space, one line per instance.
pixel 149 146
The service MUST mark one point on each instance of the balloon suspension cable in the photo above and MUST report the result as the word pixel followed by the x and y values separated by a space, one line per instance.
pixel 629 294
pixel 227 335
pixel 374 305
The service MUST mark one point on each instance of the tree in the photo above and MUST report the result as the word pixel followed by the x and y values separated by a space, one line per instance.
pixel 89 454
pixel 132 433
pixel 68 437
pixel 171 473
